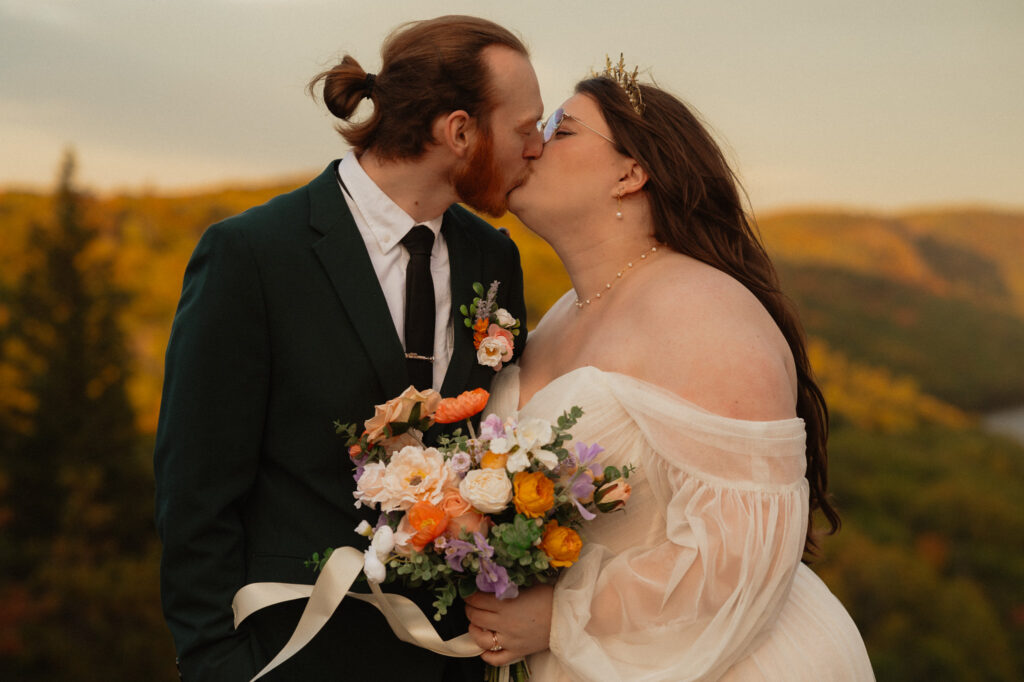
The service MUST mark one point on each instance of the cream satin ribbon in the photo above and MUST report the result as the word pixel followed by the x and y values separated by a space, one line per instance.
pixel 336 577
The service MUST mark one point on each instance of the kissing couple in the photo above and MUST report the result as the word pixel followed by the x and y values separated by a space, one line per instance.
pixel 674 339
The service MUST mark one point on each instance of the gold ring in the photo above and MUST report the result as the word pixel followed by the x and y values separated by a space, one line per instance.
pixel 494 636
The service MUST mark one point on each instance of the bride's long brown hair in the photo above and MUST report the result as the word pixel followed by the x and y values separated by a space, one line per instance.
pixel 696 209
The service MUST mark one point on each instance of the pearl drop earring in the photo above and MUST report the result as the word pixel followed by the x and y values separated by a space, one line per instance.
pixel 618 213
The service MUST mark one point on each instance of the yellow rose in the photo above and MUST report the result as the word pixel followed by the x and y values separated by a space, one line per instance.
pixel 534 493
pixel 493 460
pixel 561 544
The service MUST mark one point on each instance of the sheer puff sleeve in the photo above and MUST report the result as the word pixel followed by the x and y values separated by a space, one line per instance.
pixel 709 554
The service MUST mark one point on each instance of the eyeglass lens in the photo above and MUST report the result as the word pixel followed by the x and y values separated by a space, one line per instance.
pixel 552 124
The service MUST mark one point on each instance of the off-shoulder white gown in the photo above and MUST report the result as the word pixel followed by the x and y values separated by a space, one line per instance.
pixel 699 578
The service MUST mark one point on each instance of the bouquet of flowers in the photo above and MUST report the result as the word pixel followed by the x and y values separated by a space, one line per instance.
pixel 493 511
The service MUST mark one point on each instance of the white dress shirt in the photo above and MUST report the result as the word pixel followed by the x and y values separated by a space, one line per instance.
pixel 382 224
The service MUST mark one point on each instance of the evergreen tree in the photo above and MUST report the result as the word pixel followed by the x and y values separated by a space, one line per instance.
pixel 78 544
pixel 77 461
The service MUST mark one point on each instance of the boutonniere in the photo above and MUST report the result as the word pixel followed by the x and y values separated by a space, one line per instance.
pixel 494 328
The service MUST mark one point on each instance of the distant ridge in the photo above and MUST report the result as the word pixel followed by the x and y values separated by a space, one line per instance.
pixel 971 254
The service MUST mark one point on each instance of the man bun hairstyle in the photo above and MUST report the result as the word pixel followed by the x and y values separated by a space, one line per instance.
pixel 429 68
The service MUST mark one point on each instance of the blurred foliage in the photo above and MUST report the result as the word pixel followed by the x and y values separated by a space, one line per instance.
pixel 77 565
pixel 930 559
pixel 964 353
pixel 916 323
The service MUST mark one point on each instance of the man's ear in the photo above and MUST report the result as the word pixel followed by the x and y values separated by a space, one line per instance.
pixel 457 131
pixel 633 178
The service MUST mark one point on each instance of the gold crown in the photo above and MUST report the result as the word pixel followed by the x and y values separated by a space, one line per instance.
pixel 625 79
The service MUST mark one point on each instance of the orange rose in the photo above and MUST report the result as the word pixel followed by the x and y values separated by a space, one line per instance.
pixel 534 494
pixel 461 407
pixel 561 544
pixel 492 460
pixel 453 504
pixel 427 522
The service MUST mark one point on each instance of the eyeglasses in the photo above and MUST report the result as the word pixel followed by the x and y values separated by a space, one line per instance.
pixel 550 127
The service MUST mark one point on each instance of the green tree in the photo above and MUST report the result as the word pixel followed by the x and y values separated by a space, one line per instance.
pixel 78 536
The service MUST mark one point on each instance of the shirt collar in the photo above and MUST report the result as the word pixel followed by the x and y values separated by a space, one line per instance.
pixel 386 221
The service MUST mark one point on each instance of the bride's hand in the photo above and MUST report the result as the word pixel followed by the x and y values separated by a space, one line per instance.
pixel 521 626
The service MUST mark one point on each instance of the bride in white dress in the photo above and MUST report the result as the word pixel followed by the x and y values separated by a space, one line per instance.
pixel 688 364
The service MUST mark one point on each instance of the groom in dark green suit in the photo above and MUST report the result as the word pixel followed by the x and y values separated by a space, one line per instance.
pixel 293 315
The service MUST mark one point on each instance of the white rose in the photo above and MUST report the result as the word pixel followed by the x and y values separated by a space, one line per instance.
pixel 488 490
pixel 414 474
pixel 517 462
pixel 534 433
pixel 371 484
pixel 546 457
pixel 491 351
pixel 505 318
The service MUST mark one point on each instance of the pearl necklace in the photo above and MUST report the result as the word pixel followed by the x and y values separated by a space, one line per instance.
pixel 583 302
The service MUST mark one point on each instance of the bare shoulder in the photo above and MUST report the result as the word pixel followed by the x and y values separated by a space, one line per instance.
pixel 713 343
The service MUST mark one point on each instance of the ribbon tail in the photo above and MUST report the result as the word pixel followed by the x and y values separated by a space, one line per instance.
pixel 337 575
pixel 410 625
pixel 341 570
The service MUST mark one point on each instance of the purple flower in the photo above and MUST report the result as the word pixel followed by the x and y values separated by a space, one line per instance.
pixel 494 578
pixel 585 455
pixel 582 487
pixel 486 551
pixel 460 463
pixel 492 428
pixel 456 551
pixel 360 463
pixel 584 512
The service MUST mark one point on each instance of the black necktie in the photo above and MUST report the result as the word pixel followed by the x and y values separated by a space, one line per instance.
pixel 419 308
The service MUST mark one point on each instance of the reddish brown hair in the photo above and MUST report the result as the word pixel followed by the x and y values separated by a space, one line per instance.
pixel 428 69
pixel 695 204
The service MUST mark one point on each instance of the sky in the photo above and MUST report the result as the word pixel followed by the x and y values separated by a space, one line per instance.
pixel 872 104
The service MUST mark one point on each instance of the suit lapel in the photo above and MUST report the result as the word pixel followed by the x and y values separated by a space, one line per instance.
pixel 343 255
pixel 466 267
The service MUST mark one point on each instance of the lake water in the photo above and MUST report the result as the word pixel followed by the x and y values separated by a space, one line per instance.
pixel 1007 422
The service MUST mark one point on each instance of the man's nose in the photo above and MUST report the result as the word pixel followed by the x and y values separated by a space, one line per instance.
pixel 534 146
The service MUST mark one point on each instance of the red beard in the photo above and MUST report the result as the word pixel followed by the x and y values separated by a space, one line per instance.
pixel 479 183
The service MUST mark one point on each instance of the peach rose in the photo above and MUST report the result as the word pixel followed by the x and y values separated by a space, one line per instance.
pixel 534 494
pixel 613 496
pixel 471 522
pixel 399 409
pixel 453 504
pixel 561 544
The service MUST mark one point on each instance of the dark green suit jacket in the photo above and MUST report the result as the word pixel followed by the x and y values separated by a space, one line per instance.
pixel 282 329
